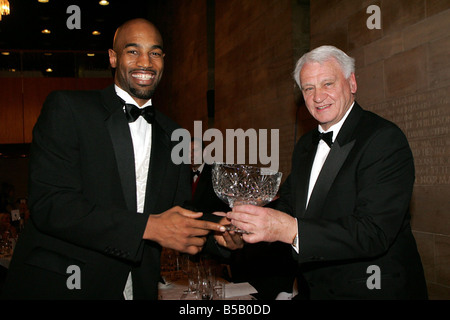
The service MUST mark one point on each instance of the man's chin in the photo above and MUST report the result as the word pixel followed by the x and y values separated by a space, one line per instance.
pixel 142 94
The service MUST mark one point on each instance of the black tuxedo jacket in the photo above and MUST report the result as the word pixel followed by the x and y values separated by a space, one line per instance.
pixel 204 199
pixel 357 214
pixel 83 201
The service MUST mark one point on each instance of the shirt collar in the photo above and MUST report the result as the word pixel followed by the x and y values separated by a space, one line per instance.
pixel 336 127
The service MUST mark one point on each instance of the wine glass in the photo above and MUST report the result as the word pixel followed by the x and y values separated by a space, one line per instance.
pixel 207 277
pixel 206 285
pixel 238 184
pixel 191 269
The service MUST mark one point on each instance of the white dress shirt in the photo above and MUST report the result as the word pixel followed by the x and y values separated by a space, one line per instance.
pixel 321 155
pixel 141 134
pixel 199 169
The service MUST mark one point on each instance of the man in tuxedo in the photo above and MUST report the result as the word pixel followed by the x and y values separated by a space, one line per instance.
pixel 344 207
pixel 104 193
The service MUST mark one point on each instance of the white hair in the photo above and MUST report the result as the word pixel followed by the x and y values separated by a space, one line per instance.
pixel 322 54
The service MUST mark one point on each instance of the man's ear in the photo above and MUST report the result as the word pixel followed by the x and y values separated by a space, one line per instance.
pixel 353 85
pixel 112 58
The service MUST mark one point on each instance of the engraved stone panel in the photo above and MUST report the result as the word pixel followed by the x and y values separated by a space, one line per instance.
pixel 425 119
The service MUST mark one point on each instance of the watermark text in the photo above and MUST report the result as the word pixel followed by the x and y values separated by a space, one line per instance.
pixel 235 140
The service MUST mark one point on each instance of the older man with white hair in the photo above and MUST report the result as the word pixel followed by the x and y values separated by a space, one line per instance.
pixel 345 206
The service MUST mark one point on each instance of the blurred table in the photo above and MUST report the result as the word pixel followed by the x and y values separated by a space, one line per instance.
pixel 177 289
pixel 176 268
pixel 6 250
pixel 5 260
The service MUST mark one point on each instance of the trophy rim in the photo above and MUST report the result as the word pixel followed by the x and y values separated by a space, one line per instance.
pixel 260 170
pixel 249 196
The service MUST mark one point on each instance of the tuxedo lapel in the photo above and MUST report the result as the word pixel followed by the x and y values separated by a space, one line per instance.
pixel 302 173
pixel 123 148
pixel 160 155
pixel 339 152
pixel 330 169
pixel 119 131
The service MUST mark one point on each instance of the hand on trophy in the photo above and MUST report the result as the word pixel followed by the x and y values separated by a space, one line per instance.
pixel 263 224
pixel 180 229
pixel 229 239
pixel 238 184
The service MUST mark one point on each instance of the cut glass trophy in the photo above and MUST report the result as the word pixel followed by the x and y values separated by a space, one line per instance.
pixel 238 184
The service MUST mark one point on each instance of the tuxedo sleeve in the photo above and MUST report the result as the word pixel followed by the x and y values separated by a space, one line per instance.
pixel 283 203
pixel 376 193
pixel 60 204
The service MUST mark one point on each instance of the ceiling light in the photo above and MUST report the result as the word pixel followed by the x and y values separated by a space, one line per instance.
pixel 90 54
pixel 48 70
pixel 4 8
pixel 96 33
pixel 48 54
pixel 103 3
pixel 5 53
pixel 46 31
pixel 43 1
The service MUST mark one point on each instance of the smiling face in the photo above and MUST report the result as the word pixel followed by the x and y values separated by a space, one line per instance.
pixel 138 59
pixel 328 95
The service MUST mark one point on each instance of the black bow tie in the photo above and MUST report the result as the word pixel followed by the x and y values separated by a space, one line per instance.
pixel 327 137
pixel 195 173
pixel 132 112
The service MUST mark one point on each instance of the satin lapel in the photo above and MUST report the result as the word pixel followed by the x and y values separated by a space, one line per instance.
pixel 330 169
pixel 339 152
pixel 123 146
pixel 301 175
pixel 160 155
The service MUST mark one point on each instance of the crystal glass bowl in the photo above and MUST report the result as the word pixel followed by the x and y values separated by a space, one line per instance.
pixel 238 184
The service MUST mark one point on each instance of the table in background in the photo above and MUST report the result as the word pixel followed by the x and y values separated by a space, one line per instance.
pixel 5 261
pixel 233 291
